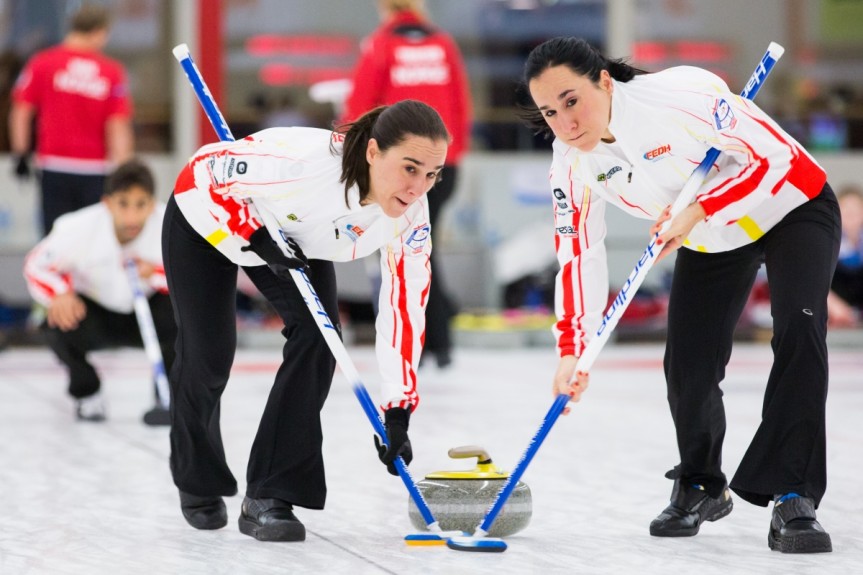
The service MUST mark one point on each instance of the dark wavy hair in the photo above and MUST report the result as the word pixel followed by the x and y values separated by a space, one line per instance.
pixel 389 126
pixel 129 174
pixel 580 57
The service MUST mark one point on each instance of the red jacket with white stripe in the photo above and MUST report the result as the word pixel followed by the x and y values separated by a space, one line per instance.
pixel 82 255
pixel 408 58
pixel 663 124
pixel 294 174
pixel 74 92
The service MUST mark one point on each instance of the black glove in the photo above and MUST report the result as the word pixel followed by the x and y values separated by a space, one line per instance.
pixel 396 423
pixel 22 166
pixel 262 244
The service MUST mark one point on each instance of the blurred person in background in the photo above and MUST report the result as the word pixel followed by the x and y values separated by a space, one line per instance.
pixel 846 295
pixel 408 57
pixel 80 101
pixel 77 272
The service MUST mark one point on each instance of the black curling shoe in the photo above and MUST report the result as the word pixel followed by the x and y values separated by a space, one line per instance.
pixel 690 507
pixel 204 512
pixel 270 520
pixel 794 529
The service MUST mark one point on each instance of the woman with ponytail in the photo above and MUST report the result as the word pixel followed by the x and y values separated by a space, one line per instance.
pixel 632 139
pixel 337 196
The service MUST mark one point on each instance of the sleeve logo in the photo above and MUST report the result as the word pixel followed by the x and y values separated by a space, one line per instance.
pixel 723 115
pixel 418 237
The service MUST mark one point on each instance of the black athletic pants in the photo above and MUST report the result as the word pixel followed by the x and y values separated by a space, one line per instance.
pixel 63 193
pixel 440 308
pixel 286 460
pixel 709 291
pixel 103 329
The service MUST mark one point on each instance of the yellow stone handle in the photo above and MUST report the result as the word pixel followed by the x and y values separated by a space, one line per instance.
pixel 466 451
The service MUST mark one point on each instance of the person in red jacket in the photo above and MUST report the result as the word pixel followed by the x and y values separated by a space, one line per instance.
pixel 80 100
pixel 408 58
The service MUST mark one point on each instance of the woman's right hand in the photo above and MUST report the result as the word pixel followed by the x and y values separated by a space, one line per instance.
pixel 567 381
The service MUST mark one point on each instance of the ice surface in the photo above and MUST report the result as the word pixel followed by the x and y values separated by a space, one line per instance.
pixel 98 498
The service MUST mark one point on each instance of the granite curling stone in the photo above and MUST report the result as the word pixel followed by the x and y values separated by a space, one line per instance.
pixel 459 500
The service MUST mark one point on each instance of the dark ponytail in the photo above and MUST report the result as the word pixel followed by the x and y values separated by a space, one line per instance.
pixel 389 126
pixel 580 57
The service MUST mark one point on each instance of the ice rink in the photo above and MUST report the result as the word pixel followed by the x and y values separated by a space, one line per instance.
pixel 98 498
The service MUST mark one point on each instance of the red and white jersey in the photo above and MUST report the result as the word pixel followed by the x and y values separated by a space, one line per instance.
pixel 82 255
pixel 74 93
pixel 664 124
pixel 408 58
pixel 293 174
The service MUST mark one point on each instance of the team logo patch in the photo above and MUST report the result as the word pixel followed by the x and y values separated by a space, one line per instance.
pixel 723 115
pixel 418 238
pixel 657 153
pixel 608 174
pixel 558 193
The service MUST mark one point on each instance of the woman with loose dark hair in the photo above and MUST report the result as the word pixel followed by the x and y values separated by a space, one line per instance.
pixel 632 139
pixel 337 196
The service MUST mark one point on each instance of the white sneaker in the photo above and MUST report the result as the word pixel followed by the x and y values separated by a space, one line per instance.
pixel 90 408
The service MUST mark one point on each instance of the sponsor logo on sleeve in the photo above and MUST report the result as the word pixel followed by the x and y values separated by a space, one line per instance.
pixel 723 115
pixel 560 199
pixel 418 237
pixel 570 231
pixel 607 176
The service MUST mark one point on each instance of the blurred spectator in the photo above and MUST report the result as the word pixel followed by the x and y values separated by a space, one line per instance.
pixel 78 274
pixel 408 57
pixel 846 296
pixel 79 98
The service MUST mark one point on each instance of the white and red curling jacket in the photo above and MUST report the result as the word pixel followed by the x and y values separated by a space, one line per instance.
pixel 294 173
pixel 664 124
pixel 82 255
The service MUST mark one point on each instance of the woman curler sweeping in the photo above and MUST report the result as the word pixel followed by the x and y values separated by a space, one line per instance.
pixel 631 139
pixel 337 196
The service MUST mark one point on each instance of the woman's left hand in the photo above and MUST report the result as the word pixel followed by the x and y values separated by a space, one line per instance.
pixel 679 230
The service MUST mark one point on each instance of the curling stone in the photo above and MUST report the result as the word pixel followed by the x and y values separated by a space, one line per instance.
pixel 459 500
